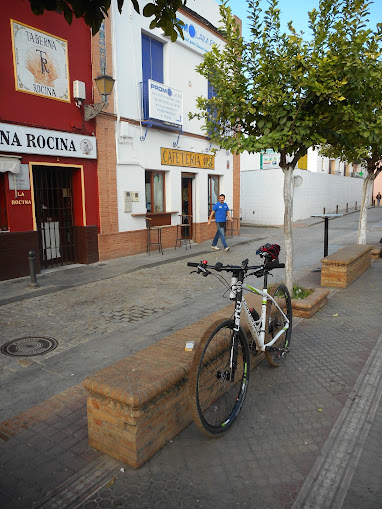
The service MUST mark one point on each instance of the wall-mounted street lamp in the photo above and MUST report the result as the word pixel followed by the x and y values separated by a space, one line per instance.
pixel 105 86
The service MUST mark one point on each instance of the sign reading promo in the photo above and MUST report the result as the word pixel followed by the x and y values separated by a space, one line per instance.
pixel 29 140
pixel 40 62
pixel 172 157
pixel 165 103
pixel 195 36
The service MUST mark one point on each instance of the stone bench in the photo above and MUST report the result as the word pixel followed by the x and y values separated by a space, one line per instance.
pixel 344 266
pixel 376 253
pixel 139 404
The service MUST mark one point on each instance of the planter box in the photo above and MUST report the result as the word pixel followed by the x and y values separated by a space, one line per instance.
pixel 306 308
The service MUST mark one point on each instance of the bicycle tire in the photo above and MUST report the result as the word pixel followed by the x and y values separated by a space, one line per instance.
pixel 215 402
pixel 275 322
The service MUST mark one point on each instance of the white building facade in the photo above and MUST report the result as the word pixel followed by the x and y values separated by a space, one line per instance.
pixel 321 185
pixel 164 164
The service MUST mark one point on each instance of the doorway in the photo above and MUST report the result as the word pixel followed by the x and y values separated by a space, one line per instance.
pixel 53 196
pixel 187 204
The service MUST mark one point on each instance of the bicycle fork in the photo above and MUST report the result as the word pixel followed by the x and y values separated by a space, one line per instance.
pixel 235 340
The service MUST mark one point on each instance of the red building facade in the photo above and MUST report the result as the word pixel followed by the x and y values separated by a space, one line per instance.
pixel 48 153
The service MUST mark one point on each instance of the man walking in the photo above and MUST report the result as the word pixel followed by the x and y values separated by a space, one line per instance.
pixel 378 198
pixel 221 212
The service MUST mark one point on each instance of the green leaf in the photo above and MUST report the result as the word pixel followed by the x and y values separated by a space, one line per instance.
pixel 149 10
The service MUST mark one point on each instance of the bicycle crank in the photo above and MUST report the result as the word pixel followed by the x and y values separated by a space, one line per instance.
pixel 276 349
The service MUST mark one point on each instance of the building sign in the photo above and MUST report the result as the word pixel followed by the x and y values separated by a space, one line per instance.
pixel 165 103
pixel 269 160
pixel 20 181
pixel 172 157
pixel 196 37
pixel 40 62
pixel 21 200
pixel 29 140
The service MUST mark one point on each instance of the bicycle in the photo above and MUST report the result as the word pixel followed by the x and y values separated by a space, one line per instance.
pixel 220 369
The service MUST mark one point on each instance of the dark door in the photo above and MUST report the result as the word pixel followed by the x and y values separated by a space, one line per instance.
pixel 187 206
pixel 53 194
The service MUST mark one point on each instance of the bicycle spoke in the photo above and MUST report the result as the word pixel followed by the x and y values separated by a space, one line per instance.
pixel 216 400
pixel 276 323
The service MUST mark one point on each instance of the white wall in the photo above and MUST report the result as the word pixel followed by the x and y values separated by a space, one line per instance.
pixel 262 200
pixel 134 156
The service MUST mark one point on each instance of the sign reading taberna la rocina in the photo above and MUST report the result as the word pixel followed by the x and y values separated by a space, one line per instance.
pixel 40 62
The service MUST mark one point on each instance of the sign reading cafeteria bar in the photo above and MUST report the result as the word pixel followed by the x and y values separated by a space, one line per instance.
pixel 29 140
pixel 172 157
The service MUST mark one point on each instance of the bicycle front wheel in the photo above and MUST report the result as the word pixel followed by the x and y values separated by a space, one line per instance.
pixel 215 399
pixel 276 322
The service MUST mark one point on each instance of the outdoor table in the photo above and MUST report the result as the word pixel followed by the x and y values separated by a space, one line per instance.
pixel 326 228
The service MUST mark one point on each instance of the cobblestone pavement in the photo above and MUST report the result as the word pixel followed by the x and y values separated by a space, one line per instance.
pixel 120 308
pixel 286 420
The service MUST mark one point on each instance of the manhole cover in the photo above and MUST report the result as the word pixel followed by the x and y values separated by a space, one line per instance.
pixel 29 346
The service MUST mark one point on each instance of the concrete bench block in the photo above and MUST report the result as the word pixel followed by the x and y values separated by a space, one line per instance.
pixel 140 403
pixel 344 266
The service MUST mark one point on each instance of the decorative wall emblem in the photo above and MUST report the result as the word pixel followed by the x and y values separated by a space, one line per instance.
pixel 40 62
pixel 86 147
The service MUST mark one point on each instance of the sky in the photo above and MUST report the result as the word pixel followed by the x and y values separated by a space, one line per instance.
pixel 297 11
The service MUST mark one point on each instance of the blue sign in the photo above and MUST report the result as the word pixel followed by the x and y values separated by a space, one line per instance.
pixel 165 103
pixel 195 36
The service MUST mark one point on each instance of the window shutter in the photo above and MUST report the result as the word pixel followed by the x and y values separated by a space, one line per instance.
pixel 146 60
pixel 152 60
pixel 156 61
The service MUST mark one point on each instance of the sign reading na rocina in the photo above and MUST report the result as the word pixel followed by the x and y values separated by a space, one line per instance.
pixel 30 140
pixel 172 157
pixel 40 62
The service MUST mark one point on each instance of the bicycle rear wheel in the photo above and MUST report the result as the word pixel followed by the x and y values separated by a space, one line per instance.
pixel 215 400
pixel 276 322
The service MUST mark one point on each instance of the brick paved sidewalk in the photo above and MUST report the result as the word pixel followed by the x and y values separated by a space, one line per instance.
pixel 265 459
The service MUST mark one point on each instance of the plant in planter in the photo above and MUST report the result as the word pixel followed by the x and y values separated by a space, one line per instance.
pixel 307 301
pixel 299 292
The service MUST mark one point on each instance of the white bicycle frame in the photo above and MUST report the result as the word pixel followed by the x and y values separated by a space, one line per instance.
pixel 257 328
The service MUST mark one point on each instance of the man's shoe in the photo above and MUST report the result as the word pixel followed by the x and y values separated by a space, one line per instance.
pixel 216 248
pixel 226 249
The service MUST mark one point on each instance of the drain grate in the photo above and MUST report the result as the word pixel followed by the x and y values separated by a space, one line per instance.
pixel 29 346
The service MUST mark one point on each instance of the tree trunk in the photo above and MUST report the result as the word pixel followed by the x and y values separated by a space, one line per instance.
pixel 288 236
pixel 366 196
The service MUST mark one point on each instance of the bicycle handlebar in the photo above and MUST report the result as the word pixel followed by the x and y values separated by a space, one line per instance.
pixel 203 267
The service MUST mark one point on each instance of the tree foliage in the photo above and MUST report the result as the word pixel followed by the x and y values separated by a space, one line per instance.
pixel 358 136
pixel 95 11
pixel 279 90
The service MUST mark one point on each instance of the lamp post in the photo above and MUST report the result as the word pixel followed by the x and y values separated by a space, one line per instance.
pixel 105 86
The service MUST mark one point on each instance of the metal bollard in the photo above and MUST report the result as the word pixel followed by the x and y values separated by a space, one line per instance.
pixel 347 208
pixel 32 269
pixel 336 209
pixel 324 211
pixel 355 206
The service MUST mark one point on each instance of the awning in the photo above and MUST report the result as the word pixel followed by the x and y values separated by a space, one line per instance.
pixel 11 164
